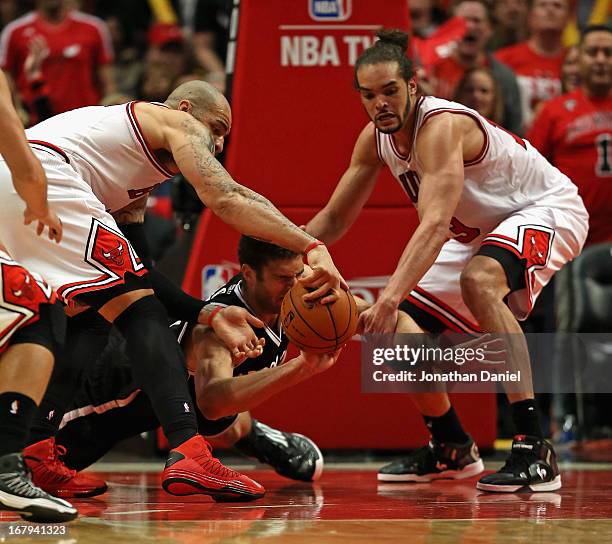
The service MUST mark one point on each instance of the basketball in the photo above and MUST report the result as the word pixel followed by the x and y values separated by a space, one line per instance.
pixel 316 327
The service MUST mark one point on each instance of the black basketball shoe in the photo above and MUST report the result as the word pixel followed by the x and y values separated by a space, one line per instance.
pixel 435 462
pixel 290 454
pixel 19 494
pixel 532 466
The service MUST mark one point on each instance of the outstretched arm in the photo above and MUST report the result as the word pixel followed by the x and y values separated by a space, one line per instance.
pixel 247 211
pixel 439 147
pixel 28 175
pixel 220 394
pixel 237 205
pixel 351 193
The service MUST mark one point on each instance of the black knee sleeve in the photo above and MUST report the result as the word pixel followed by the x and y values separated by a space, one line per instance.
pixel 158 367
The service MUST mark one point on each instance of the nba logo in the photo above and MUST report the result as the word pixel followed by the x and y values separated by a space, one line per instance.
pixel 215 276
pixel 330 10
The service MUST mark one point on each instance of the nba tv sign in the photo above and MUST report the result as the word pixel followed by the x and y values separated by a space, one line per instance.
pixel 330 10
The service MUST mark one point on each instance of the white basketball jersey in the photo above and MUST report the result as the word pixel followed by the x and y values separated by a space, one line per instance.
pixel 106 147
pixel 508 174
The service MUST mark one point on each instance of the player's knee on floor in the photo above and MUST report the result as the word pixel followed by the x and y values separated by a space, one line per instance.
pixel 238 430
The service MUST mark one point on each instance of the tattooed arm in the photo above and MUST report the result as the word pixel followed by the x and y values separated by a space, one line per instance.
pixel 188 141
pixel 237 205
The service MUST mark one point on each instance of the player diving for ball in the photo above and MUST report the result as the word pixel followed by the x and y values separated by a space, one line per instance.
pixel 496 222
pixel 109 406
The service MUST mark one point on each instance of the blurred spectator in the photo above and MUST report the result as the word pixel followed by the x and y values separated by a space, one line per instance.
pixel 470 52
pixel 156 83
pixel 207 23
pixel 574 131
pixel 510 23
pixel 570 71
pixel 421 17
pixel 479 90
pixel 537 62
pixel 38 91
pixel 76 67
pixel 116 99
pixel 128 65
pixel 169 50
pixel 8 12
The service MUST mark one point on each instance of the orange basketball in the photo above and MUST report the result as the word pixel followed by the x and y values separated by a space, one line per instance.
pixel 316 327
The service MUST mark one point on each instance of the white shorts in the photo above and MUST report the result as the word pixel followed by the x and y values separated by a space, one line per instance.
pixel 21 294
pixel 543 237
pixel 93 254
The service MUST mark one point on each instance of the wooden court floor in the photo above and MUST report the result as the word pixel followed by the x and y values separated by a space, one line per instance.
pixel 345 506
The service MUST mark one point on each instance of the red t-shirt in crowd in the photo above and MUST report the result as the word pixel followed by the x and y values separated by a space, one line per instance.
pixel 539 77
pixel 446 73
pixel 78 46
pixel 574 132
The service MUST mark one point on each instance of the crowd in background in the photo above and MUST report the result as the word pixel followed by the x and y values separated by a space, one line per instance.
pixel 521 63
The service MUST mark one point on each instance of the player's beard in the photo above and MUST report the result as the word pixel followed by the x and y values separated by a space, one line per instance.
pixel 402 121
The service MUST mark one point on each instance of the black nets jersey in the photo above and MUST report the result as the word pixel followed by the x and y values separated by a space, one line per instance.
pixel 275 349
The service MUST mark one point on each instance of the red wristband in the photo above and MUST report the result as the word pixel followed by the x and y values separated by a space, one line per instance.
pixel 213 314
pixel 309 248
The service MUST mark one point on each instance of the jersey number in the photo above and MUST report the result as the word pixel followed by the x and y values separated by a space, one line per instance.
pixel 602 144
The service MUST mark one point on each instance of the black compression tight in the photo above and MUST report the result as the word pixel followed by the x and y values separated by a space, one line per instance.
pixel 158 367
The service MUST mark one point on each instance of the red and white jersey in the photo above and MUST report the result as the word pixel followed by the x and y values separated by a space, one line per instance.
pixel 508 175
pixel 574 132
pixel 105 146
pixel 77 46
pixel 539 77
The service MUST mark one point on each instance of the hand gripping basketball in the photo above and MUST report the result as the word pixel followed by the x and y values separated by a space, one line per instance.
pixel 316 327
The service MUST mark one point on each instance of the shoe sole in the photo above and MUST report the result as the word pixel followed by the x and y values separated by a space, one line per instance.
pixel 318 463
pixel 467 472
pixel 37 510
pixel 553 485
pixel 77 494
pixel 180 487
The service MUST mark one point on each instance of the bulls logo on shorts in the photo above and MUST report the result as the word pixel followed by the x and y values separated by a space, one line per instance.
pixel 536 244
pixel 21 294
pixel 109 252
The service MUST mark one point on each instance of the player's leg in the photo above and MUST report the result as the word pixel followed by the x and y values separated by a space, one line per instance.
pixel 159 371
pixel 451 452
pixel 503 281
pixel 87 335
pixel 97 266
pixel 87 438
pixel 25 367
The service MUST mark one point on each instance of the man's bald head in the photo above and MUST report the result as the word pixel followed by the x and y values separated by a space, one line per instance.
pixel 208 106
pixel 202 96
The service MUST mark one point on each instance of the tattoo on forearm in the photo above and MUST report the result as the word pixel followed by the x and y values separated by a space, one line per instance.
pixel 216 176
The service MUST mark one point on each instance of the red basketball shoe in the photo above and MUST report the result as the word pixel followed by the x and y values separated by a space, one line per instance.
pixel 53 476
pixel 191 469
